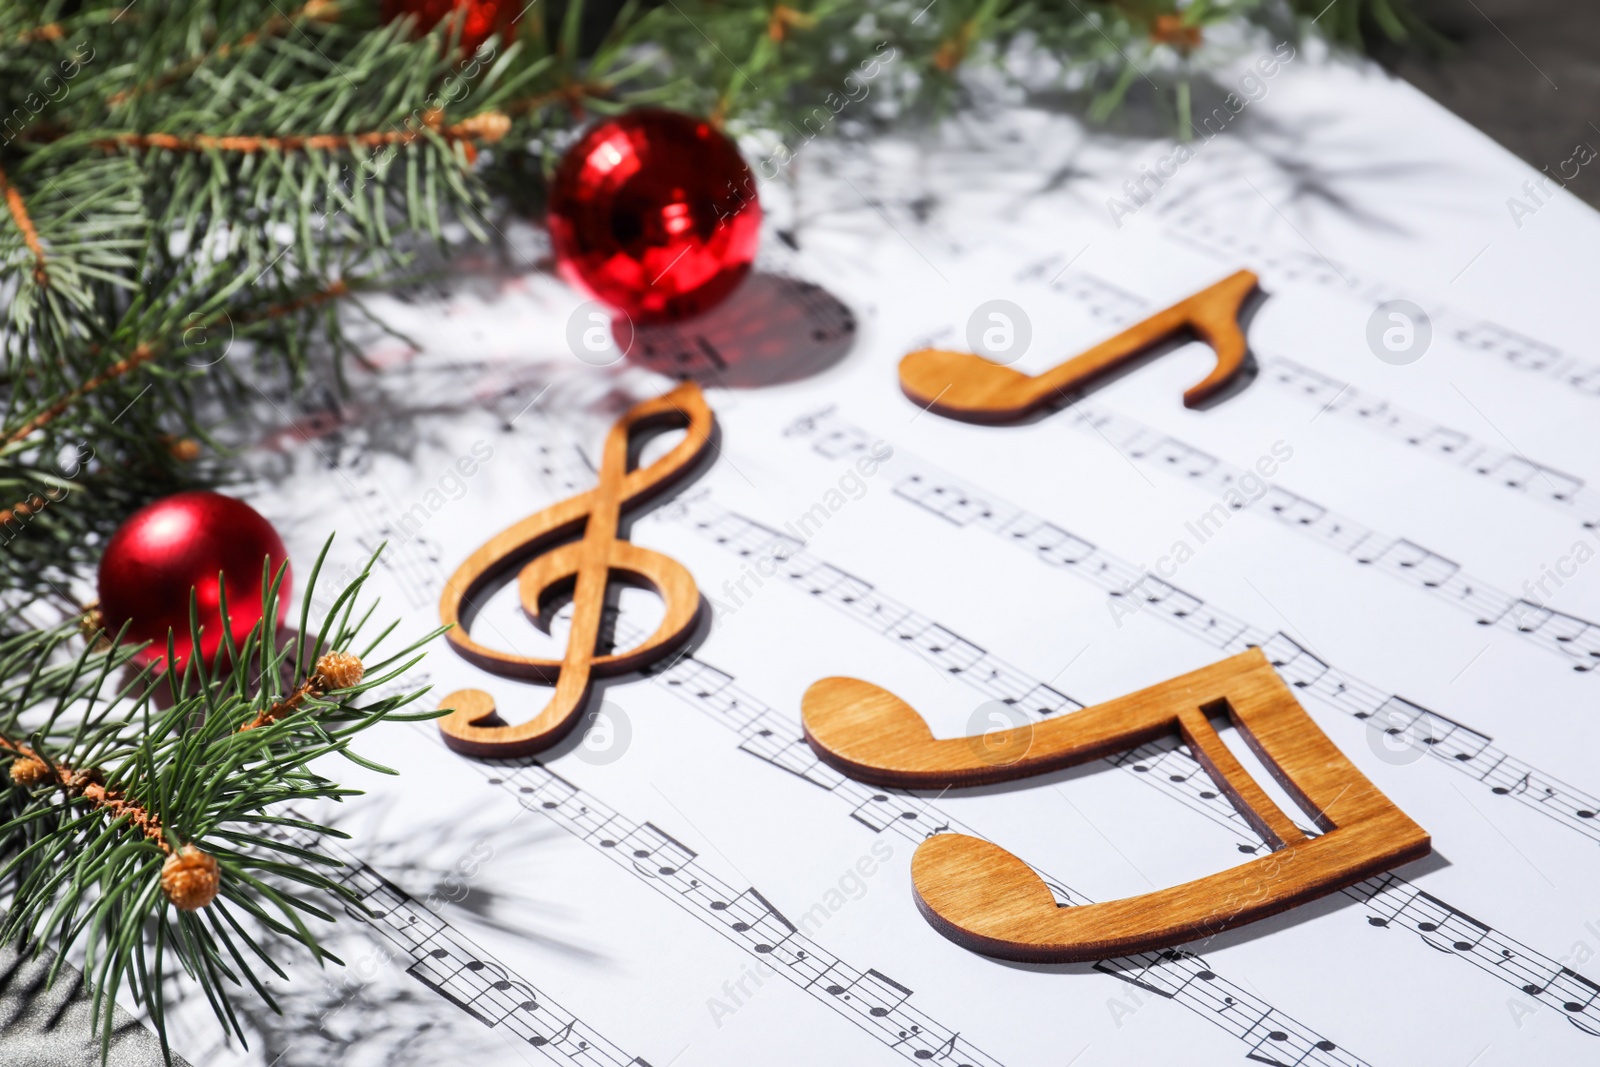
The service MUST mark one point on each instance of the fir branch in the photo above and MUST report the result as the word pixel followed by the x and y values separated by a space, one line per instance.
pixel 136 809
pixel 190 197
pixel 482 129
pixel 277 24
pixel 142 354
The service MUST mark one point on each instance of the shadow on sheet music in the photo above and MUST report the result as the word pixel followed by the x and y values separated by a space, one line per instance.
pixel 1286 160
pixel 424 882
pixel 334 1018
pixel 773 329
pixel 438 868
pixel 1381 898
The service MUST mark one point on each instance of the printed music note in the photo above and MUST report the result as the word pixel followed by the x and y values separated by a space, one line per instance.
pixel 754 915
pixel 1519 350
pixel 1439 439
pixel 880 811
pixel 575 544
pixel 464 984
pixel 1190 461
pixel 1578 995
pixel 565 1033
pixel 880 991
pixel 1520 473
pixel 1042 700
pixel 964 385
pixel 1054 544
pixel 1447 929
pixel 1519 786
pixel 987 900
pixel 1291 508
pixel 1153 590
pixel 656 854
pixel 1427 567
pixel 1299 667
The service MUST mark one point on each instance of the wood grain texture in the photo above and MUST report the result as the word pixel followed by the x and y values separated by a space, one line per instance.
pixel 543 544
pixel 984 898
pixel 966 386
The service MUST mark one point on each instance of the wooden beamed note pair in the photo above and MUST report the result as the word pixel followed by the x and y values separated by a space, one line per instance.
pixel 973 891
pixel 984 898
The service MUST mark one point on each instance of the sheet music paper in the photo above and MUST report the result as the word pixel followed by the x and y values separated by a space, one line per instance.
pixel 684 883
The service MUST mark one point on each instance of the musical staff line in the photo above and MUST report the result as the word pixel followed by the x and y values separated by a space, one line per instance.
pixel 341 448
pixel 1453 743
pixel 674 870
pixel 1512 470
pixel 460 971
pixel 1575 638
pixel 1517 472
pixel 777 740
pixel 1170 768
pixel 1181 976
pixel 745 917
pixel 1286 266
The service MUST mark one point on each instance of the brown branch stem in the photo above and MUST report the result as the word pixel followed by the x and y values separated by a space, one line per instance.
pixel 146 351
pixel 487 127
pixel 30 769
pixel 30 233
pixel 142 354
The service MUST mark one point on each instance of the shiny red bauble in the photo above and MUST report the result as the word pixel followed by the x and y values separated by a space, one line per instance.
pixel 479 18
pixel 185 542
pixel 654 213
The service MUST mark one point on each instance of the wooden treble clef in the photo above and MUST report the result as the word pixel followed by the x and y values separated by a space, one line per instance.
pixel 576 543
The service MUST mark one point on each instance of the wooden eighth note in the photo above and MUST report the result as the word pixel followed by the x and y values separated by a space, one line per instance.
pixel 982 897
pixel 966 386
pixel 543 543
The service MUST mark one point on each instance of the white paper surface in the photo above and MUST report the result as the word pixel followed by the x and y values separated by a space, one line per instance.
pixel 686 885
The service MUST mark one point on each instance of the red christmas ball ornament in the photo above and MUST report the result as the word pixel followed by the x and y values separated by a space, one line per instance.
pixel 185 542
pixel 479 18
pixel 654 213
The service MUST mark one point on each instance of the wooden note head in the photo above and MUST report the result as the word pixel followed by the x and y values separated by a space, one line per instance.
pixel 966 386
pixel 983 897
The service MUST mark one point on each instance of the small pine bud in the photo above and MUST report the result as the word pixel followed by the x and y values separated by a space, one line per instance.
pixel 184 449
pixel 339 670
pixel 29 771
pixel 92 625
pixel 1172 30
pixel 189 878
pixel 486 126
